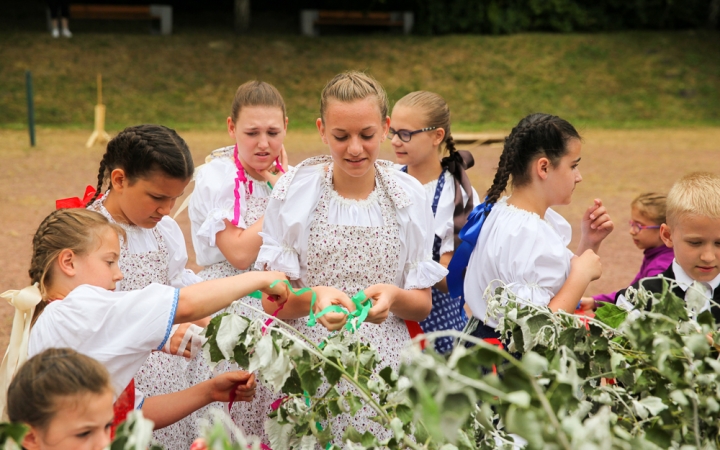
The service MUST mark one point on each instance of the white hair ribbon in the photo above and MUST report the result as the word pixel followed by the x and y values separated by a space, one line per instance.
pixel 16 354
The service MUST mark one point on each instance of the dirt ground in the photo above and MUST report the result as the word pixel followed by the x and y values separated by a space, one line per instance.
pixel 616 166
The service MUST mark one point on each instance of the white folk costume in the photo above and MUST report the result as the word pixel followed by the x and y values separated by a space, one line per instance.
pixel 225 191
pixel 119 329
pixel 319 238
pixel 157 255
pixel 524 252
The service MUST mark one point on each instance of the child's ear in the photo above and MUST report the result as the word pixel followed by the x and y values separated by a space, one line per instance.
pixel 666 235
pixel 542 167
pixel 321 128
pixel 31 441
pixel 231 127
pixel 117 178
pixel 66 262
pixel 439 136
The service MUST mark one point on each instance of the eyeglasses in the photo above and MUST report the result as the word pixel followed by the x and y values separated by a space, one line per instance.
pixel 636 227
pixel 406 135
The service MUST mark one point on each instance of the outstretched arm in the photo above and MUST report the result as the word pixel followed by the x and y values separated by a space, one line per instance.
pixel 203 299
pixel 167 409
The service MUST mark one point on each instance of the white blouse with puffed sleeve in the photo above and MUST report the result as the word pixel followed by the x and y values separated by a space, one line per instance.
pixel 519 249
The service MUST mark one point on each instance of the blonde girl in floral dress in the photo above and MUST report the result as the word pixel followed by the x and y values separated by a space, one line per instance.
pixel 351 222
pixel 226 213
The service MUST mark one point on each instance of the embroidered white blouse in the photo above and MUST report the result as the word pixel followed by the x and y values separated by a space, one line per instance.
pixel 295 198
pixel 213 201
pixel 522 251
pixel 119 329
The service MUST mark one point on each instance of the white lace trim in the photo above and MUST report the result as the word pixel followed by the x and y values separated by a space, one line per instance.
pixel 371 199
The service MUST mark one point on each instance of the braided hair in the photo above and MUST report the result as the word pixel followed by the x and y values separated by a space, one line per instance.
pixel 143 149
pixel 534 136
pixel 76 229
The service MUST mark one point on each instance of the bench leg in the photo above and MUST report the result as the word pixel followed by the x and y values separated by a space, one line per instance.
pixel 408 21
pixel 307 22
pixel 164 13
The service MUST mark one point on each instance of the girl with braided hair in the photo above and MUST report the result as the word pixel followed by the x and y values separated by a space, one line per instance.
pixel 522 242
pixel 420 133
pixel 144 170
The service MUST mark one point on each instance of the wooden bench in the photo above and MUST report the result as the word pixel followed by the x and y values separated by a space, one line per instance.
pixel 161 13
pixel 310 19
pixel 475 140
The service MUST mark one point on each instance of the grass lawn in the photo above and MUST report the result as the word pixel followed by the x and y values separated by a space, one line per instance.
pixel 612 80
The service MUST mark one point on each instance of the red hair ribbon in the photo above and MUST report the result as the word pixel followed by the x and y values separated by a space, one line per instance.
pixel 75 202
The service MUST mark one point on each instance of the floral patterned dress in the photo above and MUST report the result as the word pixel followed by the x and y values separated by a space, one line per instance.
pixel 162 373
pixel 351 245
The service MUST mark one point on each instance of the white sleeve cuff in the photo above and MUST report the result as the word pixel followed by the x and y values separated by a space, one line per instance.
pixel 277 256
pixel 423 274
pixel 215 223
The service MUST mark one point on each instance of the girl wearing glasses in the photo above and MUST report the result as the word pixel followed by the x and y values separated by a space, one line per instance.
pixel 647 213
pixel 350 222
pixel 420 133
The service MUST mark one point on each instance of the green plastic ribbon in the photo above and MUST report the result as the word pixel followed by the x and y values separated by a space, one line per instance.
pixel 354 320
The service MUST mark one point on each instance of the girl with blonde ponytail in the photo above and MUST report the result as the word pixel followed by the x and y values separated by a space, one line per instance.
pixel 425 149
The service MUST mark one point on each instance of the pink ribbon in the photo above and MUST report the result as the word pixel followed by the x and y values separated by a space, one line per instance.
pixel 240 178
pixel 268 322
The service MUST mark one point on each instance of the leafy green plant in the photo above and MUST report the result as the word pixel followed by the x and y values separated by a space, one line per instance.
pixel 551 389
pixel 11 435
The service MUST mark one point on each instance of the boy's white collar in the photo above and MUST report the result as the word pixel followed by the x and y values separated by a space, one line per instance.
pixel 684 280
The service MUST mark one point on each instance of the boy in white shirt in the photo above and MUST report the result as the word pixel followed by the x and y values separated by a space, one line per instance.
pixel 693 232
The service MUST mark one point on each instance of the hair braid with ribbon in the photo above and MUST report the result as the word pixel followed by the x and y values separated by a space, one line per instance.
pixel 142 149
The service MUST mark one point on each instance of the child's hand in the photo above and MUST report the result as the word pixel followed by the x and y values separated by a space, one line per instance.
pixel 176 339
pixel 199 444
pixel 242 382
pixel 587 304
pixel 588 264
pixel 327 296
pixel 272 174
pixel 596 225
pixel 280 291
pixel 382 296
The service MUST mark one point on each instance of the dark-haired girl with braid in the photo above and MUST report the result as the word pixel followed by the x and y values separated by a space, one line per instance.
pixel 143 171
pixel 522 243
pixel 420 133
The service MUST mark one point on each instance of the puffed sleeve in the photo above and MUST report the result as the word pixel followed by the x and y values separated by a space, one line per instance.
pixel 213 202
pixel 287 221
pixel 119 329
pixel 533 259
pixel 416 237
pixel 178 275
